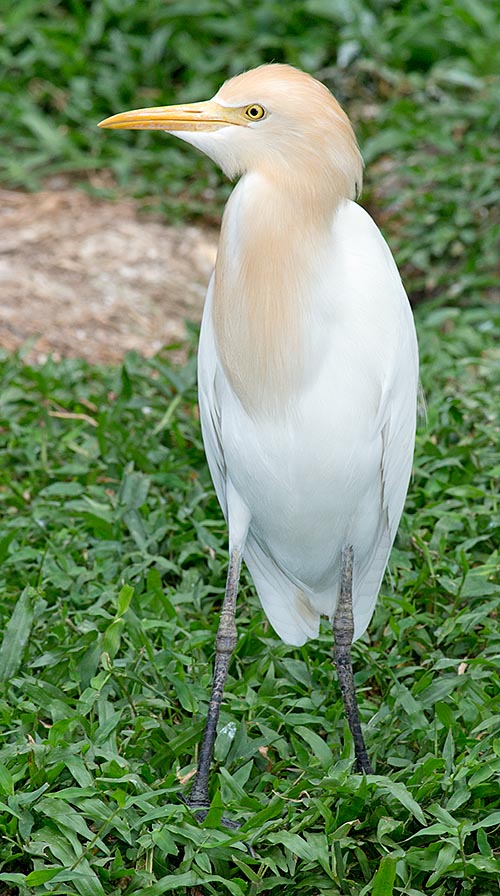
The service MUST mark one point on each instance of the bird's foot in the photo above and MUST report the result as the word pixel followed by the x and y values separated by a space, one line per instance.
pixel 200 810
pixel 363 765
pixel 201 814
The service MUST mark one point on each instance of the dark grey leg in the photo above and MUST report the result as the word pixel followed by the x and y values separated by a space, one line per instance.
pixel 225 644
pixel 343 633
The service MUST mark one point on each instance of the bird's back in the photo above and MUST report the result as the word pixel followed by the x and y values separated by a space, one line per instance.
pixel 331 466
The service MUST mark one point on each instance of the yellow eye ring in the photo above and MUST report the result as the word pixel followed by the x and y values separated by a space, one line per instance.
pixel 255 112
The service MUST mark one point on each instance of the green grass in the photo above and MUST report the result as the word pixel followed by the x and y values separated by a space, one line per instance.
pixel 112 547
pixel 113 560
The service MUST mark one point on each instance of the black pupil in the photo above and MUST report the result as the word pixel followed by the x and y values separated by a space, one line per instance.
pixel 254 111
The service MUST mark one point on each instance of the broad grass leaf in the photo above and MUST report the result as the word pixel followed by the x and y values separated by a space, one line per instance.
pixel 134 489
pixel 296 844
pixel 85 880
pixel 483 844
pixel 124 597
pixel 383 882
pixel 224 740
pixel 112 637
pixel 62 490
pixel 184 694
pixel 193 879
pixel 444 861
pixel 434 830
pixel 52 139
pixel 66 816
pixel 483 863
pixel 320 749
pixel 9 809
pixel 165 842
pixel 16 634
pixel 485 772
pixel 490 821
pixel 42 876
pixel 6 781
pixel 78 769
pixel 403 796
pixel 4 545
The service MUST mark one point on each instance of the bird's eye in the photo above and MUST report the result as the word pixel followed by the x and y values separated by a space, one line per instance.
pixel 255 112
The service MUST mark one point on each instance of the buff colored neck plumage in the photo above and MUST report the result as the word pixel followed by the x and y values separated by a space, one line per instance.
pixel 275 233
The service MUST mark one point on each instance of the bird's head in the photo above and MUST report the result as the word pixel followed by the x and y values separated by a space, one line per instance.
pixel 274 119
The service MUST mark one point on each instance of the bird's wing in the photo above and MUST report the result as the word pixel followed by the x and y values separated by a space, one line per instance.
pixel 398 437
pixel 396 421
pixel 208 373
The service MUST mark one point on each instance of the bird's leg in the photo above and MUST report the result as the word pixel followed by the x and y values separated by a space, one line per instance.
pixel 343 633
pixel 225 644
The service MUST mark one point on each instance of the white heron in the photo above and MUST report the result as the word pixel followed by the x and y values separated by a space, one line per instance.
pixel 308 369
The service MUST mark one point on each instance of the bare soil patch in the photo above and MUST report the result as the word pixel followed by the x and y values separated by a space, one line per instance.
pixel 94 279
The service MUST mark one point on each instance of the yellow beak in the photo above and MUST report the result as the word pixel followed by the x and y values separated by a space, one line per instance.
pixel 209 116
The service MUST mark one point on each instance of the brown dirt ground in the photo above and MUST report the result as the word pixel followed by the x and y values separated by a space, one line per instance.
pixel 88 278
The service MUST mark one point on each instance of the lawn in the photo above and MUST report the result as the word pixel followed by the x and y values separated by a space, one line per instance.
pixel 113 549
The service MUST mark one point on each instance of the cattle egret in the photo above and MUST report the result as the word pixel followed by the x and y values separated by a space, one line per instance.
pixel 308 369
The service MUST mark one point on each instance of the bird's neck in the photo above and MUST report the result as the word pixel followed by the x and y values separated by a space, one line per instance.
pixel 273 247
